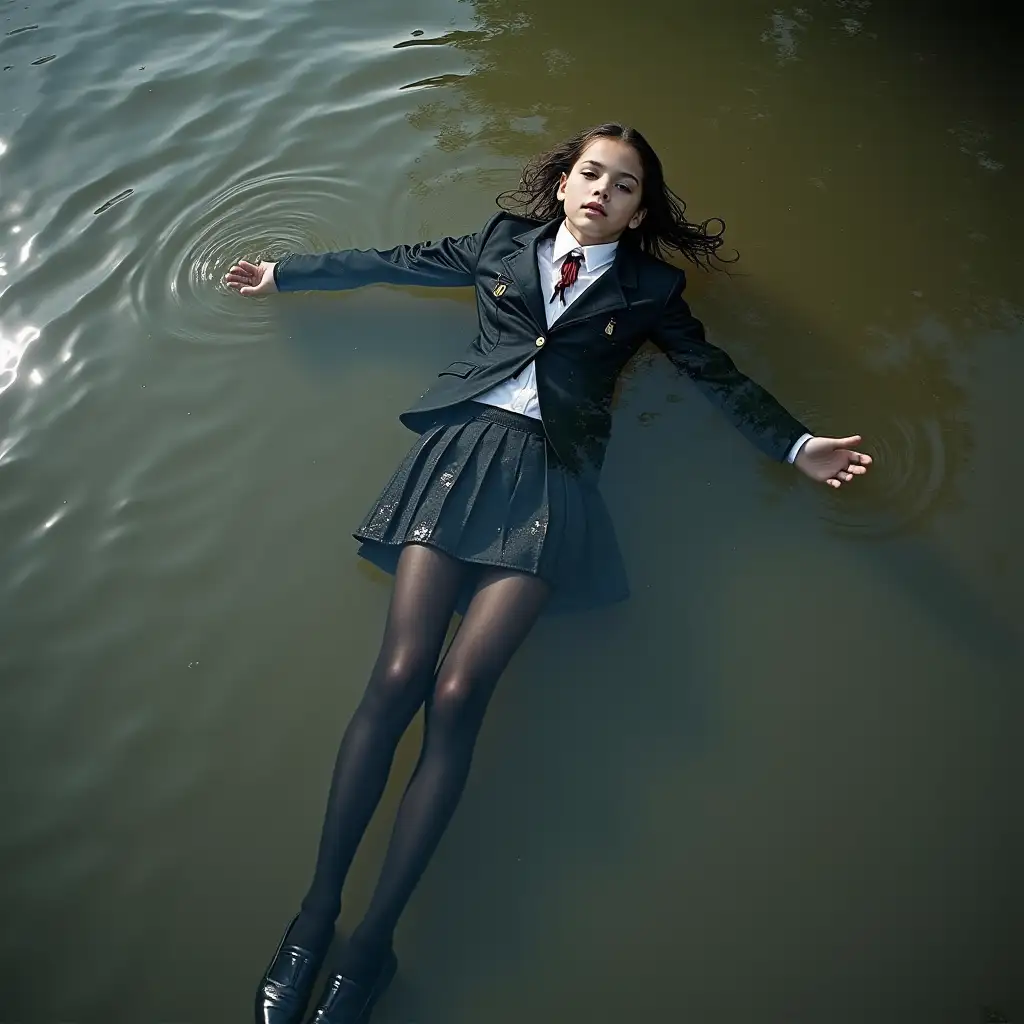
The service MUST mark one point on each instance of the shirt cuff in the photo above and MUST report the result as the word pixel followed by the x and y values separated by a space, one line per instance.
pixel 795 450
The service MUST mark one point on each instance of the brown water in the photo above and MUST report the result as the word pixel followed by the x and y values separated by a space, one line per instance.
pixel 781 784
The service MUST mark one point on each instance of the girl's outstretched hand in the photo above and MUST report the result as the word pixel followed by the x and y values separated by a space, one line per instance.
pixel 833 460
pixel 252 279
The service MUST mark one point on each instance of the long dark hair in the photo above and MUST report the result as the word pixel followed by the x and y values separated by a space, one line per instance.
pixel 664 229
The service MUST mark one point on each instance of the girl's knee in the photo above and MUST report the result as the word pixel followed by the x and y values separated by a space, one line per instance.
pixel 400 681
pixel 458 698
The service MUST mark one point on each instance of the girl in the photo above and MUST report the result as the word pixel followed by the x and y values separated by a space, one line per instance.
pixel 495 511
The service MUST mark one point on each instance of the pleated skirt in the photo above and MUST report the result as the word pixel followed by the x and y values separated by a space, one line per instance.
pixel 484 485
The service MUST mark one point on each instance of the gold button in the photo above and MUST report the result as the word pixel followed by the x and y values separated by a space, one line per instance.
pixel 539 342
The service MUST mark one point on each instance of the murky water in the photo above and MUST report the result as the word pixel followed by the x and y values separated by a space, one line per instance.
pixel 781 784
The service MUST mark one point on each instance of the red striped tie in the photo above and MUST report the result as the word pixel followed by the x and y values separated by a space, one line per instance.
pixel 570 271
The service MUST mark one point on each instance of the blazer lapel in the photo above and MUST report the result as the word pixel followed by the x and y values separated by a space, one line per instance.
pixel 609 292
pixel 522 266
pixel 606 294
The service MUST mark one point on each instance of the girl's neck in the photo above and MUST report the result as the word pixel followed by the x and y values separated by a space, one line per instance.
pixel 588 241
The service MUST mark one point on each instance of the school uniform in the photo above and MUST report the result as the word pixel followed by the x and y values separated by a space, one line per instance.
pixel 513 434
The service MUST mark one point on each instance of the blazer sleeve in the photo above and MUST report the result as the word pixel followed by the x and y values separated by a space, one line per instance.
pixel 449 263
pixel 752 410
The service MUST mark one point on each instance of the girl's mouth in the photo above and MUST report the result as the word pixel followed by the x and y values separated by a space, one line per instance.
pixel 595 208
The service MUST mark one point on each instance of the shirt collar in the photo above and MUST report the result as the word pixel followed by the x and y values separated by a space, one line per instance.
pixel 594 256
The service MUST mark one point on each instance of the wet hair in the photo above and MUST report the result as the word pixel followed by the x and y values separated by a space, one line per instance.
pixel 664 229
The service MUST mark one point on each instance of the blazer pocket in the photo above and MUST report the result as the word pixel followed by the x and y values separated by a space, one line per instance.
pixel 493 298
pixel 458 369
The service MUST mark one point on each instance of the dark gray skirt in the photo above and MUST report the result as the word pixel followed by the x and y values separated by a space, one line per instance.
pixel 483 485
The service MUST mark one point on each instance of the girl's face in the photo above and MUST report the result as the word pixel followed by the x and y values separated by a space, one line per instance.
pixel 602 192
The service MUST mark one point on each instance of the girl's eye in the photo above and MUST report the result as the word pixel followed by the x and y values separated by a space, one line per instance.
pixel 588 174
pixel 625 188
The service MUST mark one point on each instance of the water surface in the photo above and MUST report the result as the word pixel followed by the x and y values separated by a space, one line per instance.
pixel 781 784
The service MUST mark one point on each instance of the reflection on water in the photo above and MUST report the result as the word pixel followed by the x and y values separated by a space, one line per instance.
pixel 779 784
pixel 12 351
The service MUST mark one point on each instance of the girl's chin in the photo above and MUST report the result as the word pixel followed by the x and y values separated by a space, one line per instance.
pixel 594 225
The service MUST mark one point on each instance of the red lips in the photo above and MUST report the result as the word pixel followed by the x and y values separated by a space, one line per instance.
pixel 596 207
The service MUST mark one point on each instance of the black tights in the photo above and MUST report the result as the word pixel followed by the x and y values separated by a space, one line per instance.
pixel 406 675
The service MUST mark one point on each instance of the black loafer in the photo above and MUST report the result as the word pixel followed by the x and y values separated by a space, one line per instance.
pixel 287 984
pixel 345 1001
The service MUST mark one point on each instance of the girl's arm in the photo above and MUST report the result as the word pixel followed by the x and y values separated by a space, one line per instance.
pixel 756 414
pixel 752 410
pixel 445 264
pixel 449 263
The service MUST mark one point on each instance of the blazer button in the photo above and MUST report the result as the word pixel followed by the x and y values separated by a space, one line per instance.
pixel 539 342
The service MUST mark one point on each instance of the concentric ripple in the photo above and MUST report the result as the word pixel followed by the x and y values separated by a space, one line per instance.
pixel 179 289
pixel 910 479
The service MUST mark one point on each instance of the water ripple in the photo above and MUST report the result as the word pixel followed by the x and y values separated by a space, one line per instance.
pixel 260 217
pixel 907 482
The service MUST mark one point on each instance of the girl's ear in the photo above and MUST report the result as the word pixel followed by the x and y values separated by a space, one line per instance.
pixel 560 191
pixel 637 219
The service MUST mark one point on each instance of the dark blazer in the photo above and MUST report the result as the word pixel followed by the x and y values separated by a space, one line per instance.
pixel 579 357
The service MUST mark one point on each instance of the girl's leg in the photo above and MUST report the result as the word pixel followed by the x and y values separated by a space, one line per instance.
pixel 503 609
pixel 426 587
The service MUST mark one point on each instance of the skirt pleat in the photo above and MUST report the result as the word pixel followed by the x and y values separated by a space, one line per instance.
pixel 528 494
pixel 484 486
pixel 417 486
pixel 479 490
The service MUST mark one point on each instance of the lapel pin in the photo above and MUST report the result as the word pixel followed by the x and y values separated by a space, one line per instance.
pixel 609 330
pixel 499 288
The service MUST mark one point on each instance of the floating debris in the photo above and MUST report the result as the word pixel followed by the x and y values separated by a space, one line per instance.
pixel 44 60
pixel 448 39
pixel 433 82
pixel 110 202
pixel 18 31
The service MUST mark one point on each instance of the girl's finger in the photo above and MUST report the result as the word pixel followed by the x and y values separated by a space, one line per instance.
pixel 832 482
pixel 845 477
pixel 858 470
pixel 249 268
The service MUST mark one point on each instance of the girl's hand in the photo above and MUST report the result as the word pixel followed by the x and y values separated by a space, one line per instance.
pixel 833 460
pixel 249 279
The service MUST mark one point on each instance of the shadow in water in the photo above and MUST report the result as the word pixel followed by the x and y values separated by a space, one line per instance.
pixel 903 386
pixel 901 377
pixel 904 382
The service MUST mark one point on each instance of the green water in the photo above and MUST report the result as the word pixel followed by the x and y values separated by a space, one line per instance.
pixel 781 784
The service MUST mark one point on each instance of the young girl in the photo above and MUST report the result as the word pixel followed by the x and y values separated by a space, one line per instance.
pixel 495 511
